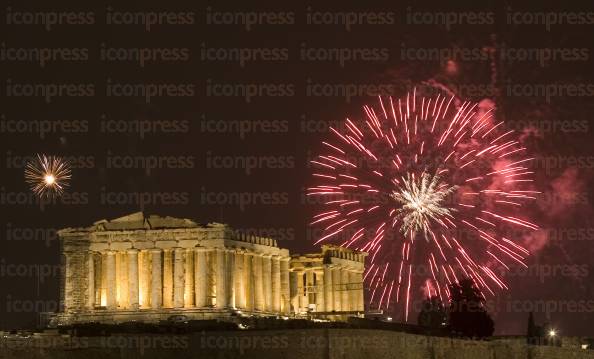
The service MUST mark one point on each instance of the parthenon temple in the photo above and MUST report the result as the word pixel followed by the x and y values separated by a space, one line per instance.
pixel 150 268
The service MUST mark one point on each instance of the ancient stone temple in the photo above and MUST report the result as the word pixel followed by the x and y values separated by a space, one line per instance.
pixel 328 283
pixel 139 268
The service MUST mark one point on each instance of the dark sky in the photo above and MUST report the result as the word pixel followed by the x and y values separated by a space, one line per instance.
pixel 260 84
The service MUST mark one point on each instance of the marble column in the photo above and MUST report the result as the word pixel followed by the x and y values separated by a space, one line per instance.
pixel 301 293
pixel 133 279
pixel 239 280
pixel 294 291
pixel 111 301
pixel 90 281
pixel 200 277
pixel 344 278
pixel 361 293
pixel 284 286
pixel 328 289
pixel 267 279
pixel 249 280
pixel 221 278
pixel 258 283
pixel 118 274
pixel 103 299
pixel 211 264
pixel 230 275
pixel 353 289
pixel 178 278
pixel 189 279
pixel 275 283
pixel 167 278
pixel 98 278
pixel 337 288
pixel 156 282
pixel 319 290
pixel 122 275
pixel 144 275
pixel 309 289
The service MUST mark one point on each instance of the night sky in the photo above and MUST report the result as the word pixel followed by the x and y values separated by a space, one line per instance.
pixel 218 117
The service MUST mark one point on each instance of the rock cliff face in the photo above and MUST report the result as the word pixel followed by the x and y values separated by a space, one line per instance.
pixel 290 344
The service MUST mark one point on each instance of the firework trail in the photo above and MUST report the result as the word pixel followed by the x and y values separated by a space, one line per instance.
pixel 421 183
pixel 47 175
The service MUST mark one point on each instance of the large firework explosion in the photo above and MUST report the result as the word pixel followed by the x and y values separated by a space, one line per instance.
pixel 47 175
pixel 431 188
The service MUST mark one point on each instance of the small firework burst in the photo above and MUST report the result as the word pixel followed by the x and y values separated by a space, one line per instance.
pixel 47 175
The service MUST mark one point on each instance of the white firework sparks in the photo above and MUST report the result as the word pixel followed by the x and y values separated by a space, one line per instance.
pixel 422 200
pixel 47 175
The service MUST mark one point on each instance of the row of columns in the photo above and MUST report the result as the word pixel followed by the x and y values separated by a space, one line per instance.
pixel 187 278
pixel 332 289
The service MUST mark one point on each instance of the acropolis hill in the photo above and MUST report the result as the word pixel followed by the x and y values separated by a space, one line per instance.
pixel 149 271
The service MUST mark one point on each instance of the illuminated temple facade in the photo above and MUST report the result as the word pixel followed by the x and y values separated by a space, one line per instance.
pixel 139 268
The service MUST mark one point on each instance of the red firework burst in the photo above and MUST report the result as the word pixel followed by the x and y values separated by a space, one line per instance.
pixel 425 183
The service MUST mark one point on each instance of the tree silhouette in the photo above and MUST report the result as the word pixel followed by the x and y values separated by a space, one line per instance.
pixel 468 316
pixel 532 333
pixel 433 313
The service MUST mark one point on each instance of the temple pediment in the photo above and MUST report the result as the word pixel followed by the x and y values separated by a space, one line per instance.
pixel 139 220
pixel 136 221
